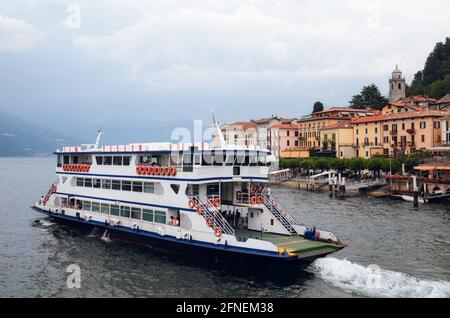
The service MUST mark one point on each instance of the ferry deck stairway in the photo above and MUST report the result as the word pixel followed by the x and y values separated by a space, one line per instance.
pixel 49 193
pixel 210 212
pixel 280 213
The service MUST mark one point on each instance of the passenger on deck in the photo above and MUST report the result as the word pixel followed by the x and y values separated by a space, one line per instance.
pixel 171 221
pixel 176 221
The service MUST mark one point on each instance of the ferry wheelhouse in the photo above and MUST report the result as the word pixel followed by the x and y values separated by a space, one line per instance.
pixel 184 197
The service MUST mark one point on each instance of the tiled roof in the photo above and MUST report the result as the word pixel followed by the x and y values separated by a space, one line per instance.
pixel 340 125
pixel 404 115
pixel 445 99
pixel 244 124
pixel 284 126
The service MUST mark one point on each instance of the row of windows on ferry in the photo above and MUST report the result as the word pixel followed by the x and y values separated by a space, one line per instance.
pixel 215 158
pixel 112 184
pixel 120 210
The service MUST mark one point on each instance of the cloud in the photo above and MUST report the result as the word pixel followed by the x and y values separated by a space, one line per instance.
pixel 17 35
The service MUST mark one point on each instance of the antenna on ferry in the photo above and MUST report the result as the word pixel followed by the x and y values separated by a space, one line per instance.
pixel 219 131
pixel 99 134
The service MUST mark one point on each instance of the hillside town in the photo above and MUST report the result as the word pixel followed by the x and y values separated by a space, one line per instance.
pixel 404 126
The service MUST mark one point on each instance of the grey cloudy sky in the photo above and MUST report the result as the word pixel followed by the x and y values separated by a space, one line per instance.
pixel 126 64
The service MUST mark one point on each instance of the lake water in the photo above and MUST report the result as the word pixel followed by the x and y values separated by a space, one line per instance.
pixel 394 251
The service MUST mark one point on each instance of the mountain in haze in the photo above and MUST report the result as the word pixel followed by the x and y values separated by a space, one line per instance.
pixel 22 138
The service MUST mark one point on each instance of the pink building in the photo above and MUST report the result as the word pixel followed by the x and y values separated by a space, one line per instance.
pixel 283 137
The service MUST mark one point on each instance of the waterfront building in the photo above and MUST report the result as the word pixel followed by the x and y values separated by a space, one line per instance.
pixel 445 131
pixel 242 133
pixel 282 138
pixel 310 126
pixel 262 127
pixel 401 107
pixel 397 86
pixel 337 140
pixel 398 133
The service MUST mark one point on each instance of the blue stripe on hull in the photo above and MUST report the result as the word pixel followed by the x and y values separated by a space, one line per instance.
pixel 193 243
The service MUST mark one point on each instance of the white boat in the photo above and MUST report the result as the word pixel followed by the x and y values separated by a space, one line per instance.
pixel 182 197
pixel 407 198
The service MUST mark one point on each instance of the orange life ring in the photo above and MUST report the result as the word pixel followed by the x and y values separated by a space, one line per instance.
pixel 218 232
pixel 166 171
pixel 192 203
pixel 199 210
pixel 253 200
pixel 147 170
pixel 217 202
pixel 173 171
pixel 157 171
pixel 259 199
pixel 209 221
pixel 138 171
pixel 151 171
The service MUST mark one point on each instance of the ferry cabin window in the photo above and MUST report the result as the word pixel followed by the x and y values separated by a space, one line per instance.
pixel 66 160
pixel 136 213
pixel 97 183
pixel 239 160
pixel 212 189
pixel 114 210
pixel 126 160
pixel 87 205
pixel 125 211
pixel 80 182
pixel 207 159
pixel 126 185
pixel 230 158
pixel 262 159
pixel 99 160
pixel 218 159
pixel 88 183
pixel 104 208
pixel 115 184
pixel 106 184
pixel 75 159
pixel 147 215
pixel 149 187
pixel 117 161
pixel 95 207
pixel 137 186
pixel 58 161
pixel 160 217
pixel 175 188
pixel 107 160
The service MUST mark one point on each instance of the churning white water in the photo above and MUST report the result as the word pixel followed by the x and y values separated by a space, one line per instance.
pixel 376 282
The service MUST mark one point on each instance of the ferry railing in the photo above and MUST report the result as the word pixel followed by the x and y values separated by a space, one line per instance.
pixel 279 212
pixel 209 210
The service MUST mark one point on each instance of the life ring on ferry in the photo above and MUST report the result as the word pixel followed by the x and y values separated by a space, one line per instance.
pixel 157 171
pixel 209 221
pixel 199 210
pixel 192 203
pixel 218 232
pixel 239 195
pixel 138 170
pixel 147 170
pixel 253 200
pixel 259 199
pixel 173 171
pixel 217 202
pixel 166 171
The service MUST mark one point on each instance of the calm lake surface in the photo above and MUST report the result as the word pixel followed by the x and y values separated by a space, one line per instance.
pixel 394 251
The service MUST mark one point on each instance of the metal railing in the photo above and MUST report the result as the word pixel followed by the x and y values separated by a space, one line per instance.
pixel 210 211
pixel 280 213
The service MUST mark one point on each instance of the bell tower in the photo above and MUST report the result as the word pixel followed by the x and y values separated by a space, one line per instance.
pixel 397 86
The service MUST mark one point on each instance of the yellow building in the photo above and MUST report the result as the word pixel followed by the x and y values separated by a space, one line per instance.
pixel 310 126
pixel 397 133
pixel 337 140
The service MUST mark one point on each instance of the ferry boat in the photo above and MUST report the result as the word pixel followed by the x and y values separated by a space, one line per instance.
pixel 189 198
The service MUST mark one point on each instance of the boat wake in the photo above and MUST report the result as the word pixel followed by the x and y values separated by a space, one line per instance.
pixel 374 281
pixel 105 237
pixel 42 223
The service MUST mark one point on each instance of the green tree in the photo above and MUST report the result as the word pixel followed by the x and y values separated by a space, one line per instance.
pixel 318 107
pixel 370 97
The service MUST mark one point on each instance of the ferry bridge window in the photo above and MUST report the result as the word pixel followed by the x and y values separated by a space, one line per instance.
pixel 207 159
pixel 104 208
pixel 230 158
pixel 239 160
pixel 117 160
pixel 66 160
pixel 58 161
pixel 147 215
pixel 95 207
pixel 253 159
pixel 107 160
pixel 114 210
pixel 217 158
pixel 125 211
pixel 126 160
pixel 137 186
pixel 149 187
pixel 262 159
pixel 97 183
pixel 88 183
pixel 80 182
pixel 86 205
pixel 126 185
pixel 115 184
pixel 99 160
pixel 106 184
pixel 160 217
pixel 136 213
pixel 187 162
pixel 75 159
